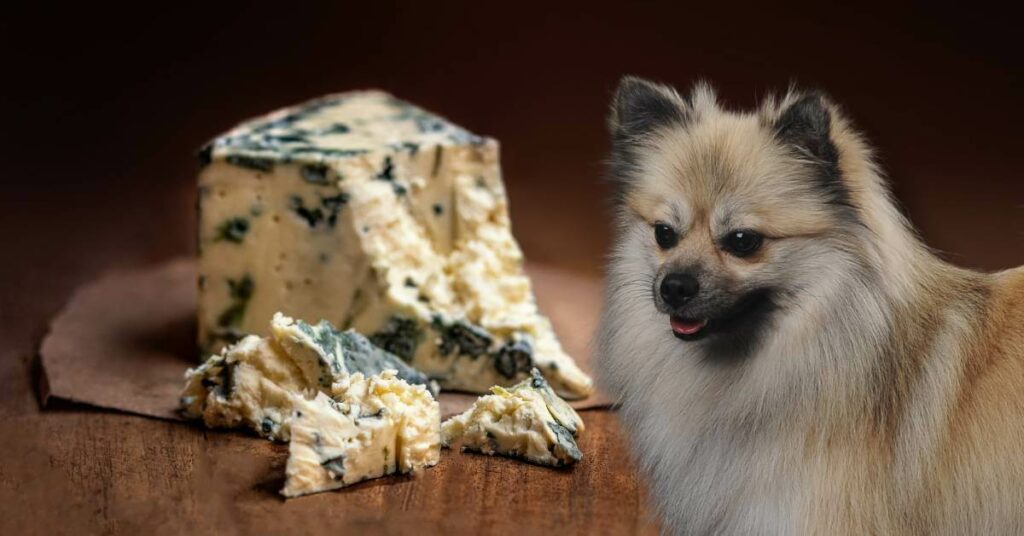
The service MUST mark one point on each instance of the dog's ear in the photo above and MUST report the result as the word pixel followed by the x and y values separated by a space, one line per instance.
pixel 641 106
pixel 805 123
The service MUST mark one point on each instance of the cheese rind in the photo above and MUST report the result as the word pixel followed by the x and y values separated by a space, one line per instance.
pixel 373 214
pixel 528 421
pixel 326 355
pixel 374 426
pixel 250 383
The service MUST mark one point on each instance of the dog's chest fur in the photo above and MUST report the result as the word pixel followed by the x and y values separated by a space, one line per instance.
pixel 715 474
pixel 715 477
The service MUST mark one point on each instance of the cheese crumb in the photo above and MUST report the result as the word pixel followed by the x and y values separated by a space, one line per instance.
pixel 528 421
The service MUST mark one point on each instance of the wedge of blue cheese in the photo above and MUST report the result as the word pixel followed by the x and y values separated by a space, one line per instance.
pixel 250 384
pixel 371 427
pixel 373 214
pixel 528 421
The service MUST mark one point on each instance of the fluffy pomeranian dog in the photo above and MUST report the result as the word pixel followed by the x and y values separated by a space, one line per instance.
pixel 788 356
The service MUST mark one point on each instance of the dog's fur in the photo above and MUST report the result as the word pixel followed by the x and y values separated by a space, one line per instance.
pixel 872 389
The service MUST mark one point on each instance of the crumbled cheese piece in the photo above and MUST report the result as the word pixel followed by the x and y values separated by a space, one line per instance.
pixel 528 421
pixel 374 426
pixel 249 384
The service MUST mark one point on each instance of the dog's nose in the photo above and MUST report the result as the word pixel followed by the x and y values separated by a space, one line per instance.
pixel 677 289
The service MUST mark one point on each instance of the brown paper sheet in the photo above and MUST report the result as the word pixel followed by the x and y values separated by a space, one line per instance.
pixel 124 341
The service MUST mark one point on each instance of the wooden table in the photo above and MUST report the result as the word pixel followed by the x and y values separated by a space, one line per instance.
pixel 76 470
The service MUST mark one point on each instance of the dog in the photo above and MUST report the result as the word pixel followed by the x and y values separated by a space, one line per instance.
pixel 788 356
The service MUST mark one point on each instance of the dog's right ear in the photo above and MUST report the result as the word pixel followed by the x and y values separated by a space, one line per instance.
pixel 641 106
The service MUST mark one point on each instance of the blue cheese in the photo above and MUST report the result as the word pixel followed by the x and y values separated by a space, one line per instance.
pixel 325 355
pixel 373 214
pixel 251 383
pixel 528 421
pixel 373 426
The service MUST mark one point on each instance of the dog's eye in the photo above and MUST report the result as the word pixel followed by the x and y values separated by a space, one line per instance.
pixel 742 243
pixel 665 236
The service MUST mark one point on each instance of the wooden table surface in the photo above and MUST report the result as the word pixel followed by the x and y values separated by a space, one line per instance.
pixel 77 470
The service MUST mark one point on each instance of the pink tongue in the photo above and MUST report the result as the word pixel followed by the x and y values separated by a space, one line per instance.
pixel 687 328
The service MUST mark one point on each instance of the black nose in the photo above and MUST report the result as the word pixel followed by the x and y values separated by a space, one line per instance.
pixel 677 289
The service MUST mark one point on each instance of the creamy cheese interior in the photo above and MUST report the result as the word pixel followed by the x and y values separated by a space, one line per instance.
pixel 373 426
pixel 373 214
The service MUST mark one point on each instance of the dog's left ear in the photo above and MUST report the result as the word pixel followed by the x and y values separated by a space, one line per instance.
pixel 641 106
pixel 806 123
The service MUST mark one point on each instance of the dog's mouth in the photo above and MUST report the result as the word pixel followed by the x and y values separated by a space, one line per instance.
pixel 686 328
pixel 745 317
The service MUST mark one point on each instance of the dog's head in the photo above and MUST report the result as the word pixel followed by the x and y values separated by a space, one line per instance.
pixel 730 218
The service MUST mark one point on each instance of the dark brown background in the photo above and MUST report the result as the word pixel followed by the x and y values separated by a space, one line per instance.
pixel 104 108
pixel 109 104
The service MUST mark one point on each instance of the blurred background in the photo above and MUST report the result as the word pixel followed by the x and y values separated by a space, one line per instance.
pixel 105 107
